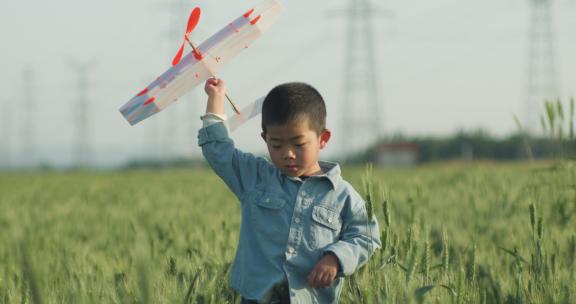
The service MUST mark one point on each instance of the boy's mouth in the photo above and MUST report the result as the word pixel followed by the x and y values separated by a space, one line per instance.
pixel 292 168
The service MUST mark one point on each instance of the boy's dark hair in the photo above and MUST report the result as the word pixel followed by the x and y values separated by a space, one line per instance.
pixel 290 101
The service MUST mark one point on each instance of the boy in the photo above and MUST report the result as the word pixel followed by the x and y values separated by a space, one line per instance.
pixel 303 227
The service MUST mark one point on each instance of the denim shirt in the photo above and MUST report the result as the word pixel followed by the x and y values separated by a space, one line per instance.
pixel 288 224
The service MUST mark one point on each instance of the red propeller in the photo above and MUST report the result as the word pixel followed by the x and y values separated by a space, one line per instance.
pixel 192 22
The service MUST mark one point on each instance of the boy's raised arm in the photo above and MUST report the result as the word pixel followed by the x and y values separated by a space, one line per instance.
pixel 237 169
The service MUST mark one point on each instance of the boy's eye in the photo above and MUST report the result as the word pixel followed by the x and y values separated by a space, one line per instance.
pixel 300 144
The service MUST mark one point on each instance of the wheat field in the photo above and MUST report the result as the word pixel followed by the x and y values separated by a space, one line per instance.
pixel 452 233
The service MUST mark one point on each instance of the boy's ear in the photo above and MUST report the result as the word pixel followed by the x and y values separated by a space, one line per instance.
pixel 324 138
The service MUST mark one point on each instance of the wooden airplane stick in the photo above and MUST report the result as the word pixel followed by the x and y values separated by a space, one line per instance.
pixel 199 57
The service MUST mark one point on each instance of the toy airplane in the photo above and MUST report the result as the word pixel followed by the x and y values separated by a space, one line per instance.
pixel 202 62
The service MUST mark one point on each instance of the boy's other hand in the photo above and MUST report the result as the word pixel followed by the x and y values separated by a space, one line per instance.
pixel 215 87
pixel 324 273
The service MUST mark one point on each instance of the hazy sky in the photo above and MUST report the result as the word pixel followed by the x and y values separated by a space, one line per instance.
pixel 443 65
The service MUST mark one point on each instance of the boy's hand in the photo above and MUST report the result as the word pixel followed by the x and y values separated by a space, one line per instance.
pixel 324 273
pixel 216 91
pixel 215 87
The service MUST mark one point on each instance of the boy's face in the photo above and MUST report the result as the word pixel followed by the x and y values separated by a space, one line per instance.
pixel 294 147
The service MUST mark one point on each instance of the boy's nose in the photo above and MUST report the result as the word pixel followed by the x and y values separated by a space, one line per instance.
pixel 289 154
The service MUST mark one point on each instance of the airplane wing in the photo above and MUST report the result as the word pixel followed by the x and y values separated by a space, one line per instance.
pixel 247 113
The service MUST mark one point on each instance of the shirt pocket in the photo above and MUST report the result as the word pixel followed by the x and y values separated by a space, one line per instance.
pixel 325 228
pixel 269 217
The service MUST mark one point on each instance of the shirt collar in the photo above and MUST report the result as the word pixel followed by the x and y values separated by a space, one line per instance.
pixel 331 173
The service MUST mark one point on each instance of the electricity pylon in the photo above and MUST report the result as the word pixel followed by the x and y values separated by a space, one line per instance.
pixel 542 76
pixel 28 135
pixel 363 120
pixel 82 136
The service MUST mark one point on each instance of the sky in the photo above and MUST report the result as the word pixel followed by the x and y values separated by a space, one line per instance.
pixel 442 66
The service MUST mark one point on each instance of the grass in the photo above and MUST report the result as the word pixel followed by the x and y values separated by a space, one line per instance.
pixel 452 233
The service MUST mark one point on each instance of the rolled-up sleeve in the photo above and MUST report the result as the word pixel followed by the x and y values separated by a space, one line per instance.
pixel 212 133
pixel 360 237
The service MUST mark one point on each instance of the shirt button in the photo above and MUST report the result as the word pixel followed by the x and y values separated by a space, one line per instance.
pixel 297 220
pixel 330 220
pixel 290 250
